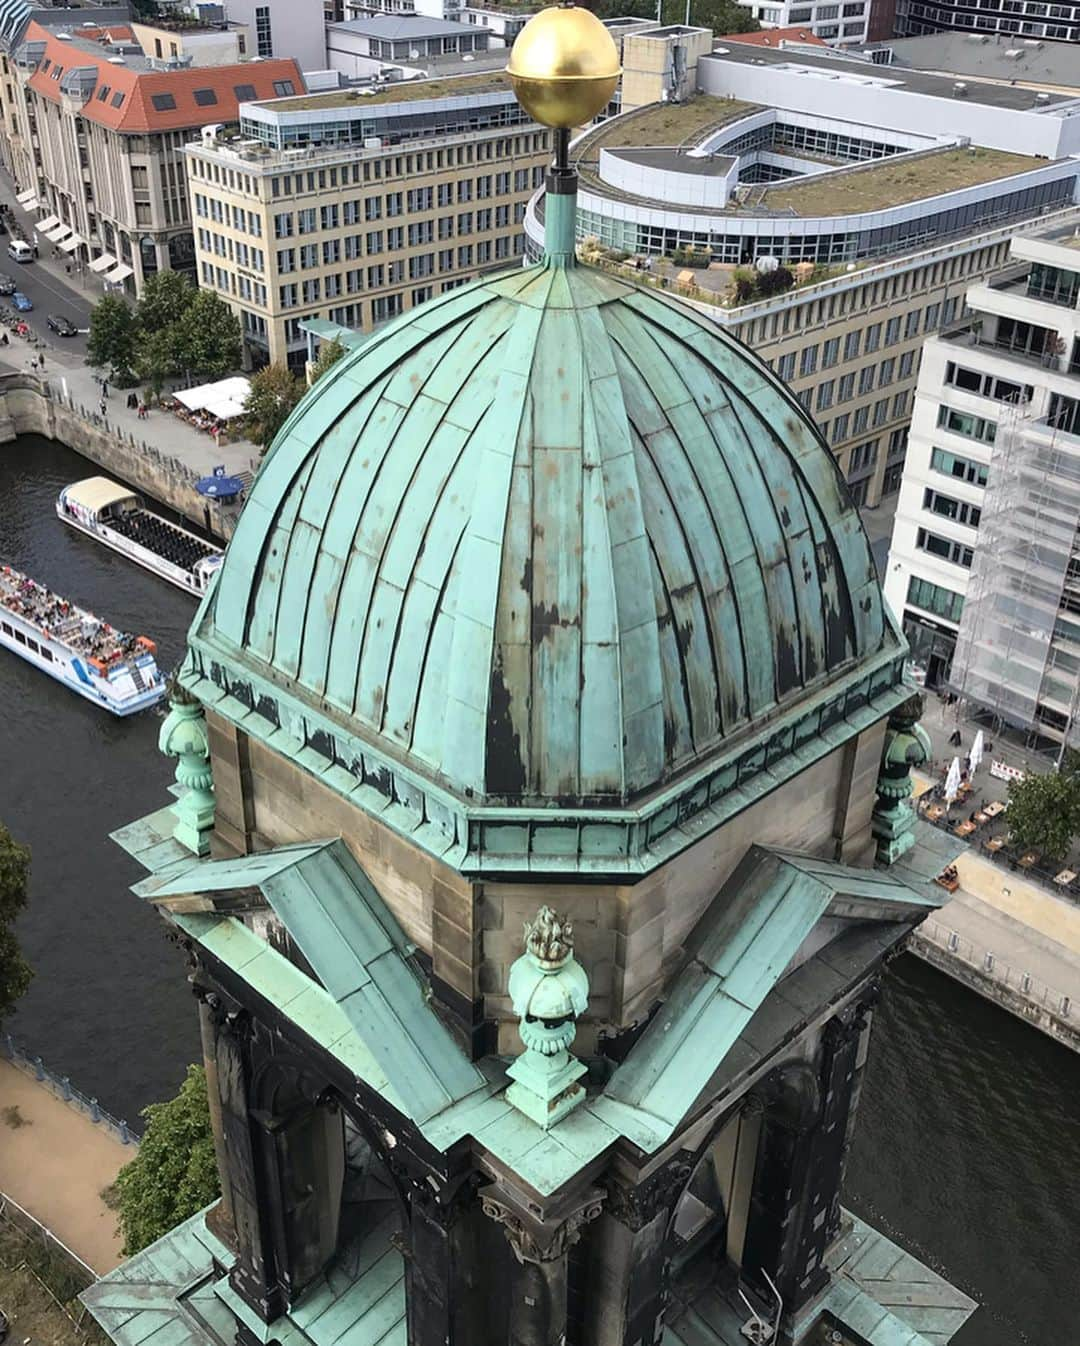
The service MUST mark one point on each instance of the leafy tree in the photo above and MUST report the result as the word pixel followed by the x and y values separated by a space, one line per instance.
pixel 113 335
pixel 208 336
pixel 1044 811
pixel 157 358
pixel 15 972
pixel 165 298
pixel 174 1175
pixel 275 390
pixel 330 352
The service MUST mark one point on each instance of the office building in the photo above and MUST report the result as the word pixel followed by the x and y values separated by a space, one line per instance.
pixel 1021 20
pixel 362 48
pixel 984 569
pixel 284 28
pixel 786 161
pixel 994 58
pixel 844 23
pixel 354 206
pixel 94 142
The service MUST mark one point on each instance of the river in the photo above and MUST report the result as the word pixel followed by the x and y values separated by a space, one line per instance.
pixel 967 1150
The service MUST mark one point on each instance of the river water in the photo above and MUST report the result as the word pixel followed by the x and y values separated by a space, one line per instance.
pixel 968 1147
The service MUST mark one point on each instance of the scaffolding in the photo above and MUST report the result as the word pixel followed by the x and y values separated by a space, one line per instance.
pixel 1012 657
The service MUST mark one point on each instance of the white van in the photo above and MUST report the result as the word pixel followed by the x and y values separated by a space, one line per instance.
pixel 19 251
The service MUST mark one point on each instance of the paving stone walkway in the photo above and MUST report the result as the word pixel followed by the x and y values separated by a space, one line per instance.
pixel 55 1163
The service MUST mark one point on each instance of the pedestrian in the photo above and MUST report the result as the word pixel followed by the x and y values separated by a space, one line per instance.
pixel 3 338
pixel 67 268
pixel 132 402
pixel 102 406
pixel 104 388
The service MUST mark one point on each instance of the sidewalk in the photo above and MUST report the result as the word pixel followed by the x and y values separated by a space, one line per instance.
pixel 55 1163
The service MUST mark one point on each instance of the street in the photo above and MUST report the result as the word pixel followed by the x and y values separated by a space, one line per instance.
pixel 49 294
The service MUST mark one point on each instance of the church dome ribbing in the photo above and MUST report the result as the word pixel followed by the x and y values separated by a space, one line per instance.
pixel 552 537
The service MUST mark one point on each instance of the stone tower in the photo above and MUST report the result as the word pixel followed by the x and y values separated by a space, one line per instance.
pixel 545 684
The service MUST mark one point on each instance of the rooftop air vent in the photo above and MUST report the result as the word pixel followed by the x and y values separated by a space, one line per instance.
pixel 959 89
pixel 1042 98
pixel 63 37
pixel 117 60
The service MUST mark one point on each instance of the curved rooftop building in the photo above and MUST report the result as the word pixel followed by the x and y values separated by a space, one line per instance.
pixel 549 705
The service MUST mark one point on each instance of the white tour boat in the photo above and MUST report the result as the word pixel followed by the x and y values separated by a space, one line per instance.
pixel 117 517
pixel 86 654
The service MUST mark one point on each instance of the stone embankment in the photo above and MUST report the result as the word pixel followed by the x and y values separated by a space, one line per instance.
pixel 28 406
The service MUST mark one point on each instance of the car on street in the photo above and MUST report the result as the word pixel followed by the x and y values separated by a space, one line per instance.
pixel 61 326
pixel 7 285
pixel 21 302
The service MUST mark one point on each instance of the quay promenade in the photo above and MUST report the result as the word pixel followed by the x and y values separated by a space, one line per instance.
pixel 55 1163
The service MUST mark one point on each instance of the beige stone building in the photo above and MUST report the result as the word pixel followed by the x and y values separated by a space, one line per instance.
pixel 353 209
pixel 94 142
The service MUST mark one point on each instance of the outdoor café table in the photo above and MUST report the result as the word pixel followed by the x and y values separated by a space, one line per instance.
pixel 994 808
pixel 1028 860
pixel 964 829
pixel 1064 878
pixel 936 811
pixel 982 817
pixel 995 843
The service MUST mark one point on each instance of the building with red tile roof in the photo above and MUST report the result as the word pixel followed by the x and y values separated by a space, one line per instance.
pixel 773 37
pixel 95 134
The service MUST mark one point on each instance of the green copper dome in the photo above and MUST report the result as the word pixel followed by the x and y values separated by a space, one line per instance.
pixel 551 538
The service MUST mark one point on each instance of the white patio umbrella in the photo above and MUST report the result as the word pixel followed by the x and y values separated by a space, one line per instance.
pixel 952 781
pixel 976 751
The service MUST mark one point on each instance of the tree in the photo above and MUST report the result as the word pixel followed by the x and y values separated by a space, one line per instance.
pixel 113 336
pixel 207 337
pixel 174 1175
pixel 165 298
pixel 275 390
pixel 15 971
pixel 157 358
pixel 1044 811
pixel 330 352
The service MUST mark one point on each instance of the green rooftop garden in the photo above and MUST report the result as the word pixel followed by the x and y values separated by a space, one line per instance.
pixel 671 124
pixel 456 86
pixel 889 183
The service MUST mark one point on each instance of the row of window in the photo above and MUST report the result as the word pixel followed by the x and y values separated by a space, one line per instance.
pixel 944 548
pixel 22 639
pixel 933 598
pixel 961 423
pixel 848 423
pixel 987 385
pixel 862 340
pixel 959 511
pixel 962 469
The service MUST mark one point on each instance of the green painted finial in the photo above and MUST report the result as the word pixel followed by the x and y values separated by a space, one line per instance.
pixel 549 989
pixel 906 746
pixel 183 736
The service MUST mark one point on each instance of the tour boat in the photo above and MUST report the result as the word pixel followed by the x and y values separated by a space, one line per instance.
pixel 86 654
pixel 118 517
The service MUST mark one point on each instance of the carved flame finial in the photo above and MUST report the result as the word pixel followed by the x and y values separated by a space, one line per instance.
pixel 549 938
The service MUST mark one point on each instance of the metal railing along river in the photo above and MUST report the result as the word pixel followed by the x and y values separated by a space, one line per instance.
pixel 63 1089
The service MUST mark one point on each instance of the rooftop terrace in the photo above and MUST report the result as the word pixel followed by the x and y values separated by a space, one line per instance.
pixel 407 91
pixel 676 124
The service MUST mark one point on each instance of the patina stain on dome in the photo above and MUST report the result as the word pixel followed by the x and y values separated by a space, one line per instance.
pixel 550 537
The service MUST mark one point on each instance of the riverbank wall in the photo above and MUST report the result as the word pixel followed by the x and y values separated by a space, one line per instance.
pixel 28 406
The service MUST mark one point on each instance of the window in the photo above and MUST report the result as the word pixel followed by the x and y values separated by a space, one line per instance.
pixel 163 102
pixel 986 385
pixel 860 420
pixel 306 221
pixel 933 314
pixel 245 93
pixel 971 427
pixel 825 395
pixel 945 549
pixel 785 367
pixel 284 88
pixel 846 388
pixel 852 345
pixel 907 363
pixel 892 331
pixel 873 337
pixel 808 362
pixel 839 428
pixel 830 352
pixel 960 511
pixel 205 97
pixel 866 379
pixel 283 225
pixel 862 459
pixel 911 324
pixel 962 469
pixel 933 598
pixel 900 404
pixel 881 412
pixel 118 98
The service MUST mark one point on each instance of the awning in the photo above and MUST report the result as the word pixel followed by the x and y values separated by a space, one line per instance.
pixel 103 262
pixel 225 398
pixel 119 272
pixel 61 231
pixel 32 204
pixel 70 244
pixel 50 222
pixel 23 197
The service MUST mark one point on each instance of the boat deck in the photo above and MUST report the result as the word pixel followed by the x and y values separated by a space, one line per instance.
pixel 164 539
pixel 80 631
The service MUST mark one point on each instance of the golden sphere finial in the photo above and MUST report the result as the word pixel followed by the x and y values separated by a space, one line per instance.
pixel 564 66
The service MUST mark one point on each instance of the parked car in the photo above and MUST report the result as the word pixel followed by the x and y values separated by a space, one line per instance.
pixel 61 326
pixel 21 302
pixel 7 285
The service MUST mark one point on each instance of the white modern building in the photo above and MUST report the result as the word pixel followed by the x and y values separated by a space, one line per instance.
pixel 363 48
pixel 295 28
pixel 844 23
pixel 984 569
